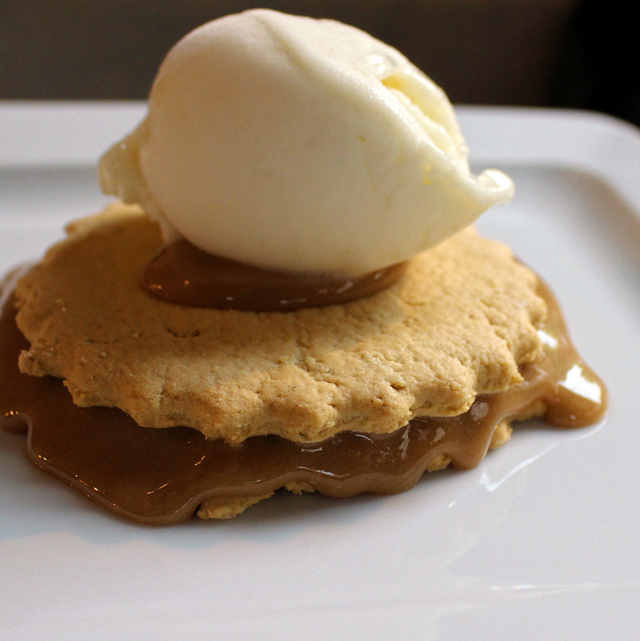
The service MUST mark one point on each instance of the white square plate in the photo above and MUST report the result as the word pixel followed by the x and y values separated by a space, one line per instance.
pixel 539 542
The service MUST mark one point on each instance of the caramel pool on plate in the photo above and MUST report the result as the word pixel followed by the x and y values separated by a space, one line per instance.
pixel 161 476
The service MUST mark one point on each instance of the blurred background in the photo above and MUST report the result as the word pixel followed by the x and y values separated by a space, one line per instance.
pixel 559 53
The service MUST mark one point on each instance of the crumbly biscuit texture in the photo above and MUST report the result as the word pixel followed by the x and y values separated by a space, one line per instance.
pixel 457 325
pixel 226 507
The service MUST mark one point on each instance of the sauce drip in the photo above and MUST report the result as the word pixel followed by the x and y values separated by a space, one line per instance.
pixel 184 275
pixel 160 476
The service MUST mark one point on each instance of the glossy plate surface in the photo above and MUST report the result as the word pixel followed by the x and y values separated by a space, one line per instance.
pixel 539 542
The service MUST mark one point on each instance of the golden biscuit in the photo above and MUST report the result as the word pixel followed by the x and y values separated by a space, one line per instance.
pixel 459 324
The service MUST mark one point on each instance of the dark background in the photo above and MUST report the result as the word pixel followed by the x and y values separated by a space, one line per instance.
pixel 561 53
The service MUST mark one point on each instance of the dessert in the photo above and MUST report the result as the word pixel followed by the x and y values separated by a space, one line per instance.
pixel 303 145
pixel 327 333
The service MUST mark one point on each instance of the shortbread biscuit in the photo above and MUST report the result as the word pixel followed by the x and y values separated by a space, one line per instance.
pixel 459 324
pixel 226 507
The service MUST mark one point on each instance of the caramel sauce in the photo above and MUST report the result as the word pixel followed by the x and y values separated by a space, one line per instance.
pixel 184 275
pixel 160 476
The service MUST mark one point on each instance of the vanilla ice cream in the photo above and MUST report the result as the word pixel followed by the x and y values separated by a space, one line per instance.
pixel 298 144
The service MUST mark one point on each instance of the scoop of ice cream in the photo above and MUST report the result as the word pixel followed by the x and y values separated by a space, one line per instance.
pixel 298 144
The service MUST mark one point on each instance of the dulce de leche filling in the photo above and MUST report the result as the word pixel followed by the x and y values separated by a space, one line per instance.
pixel 184 275
pixel 161 476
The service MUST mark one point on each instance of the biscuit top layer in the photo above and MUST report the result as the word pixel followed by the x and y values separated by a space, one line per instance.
pixel 458 325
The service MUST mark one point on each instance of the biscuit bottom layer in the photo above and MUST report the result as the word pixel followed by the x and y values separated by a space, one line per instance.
pixel 162 476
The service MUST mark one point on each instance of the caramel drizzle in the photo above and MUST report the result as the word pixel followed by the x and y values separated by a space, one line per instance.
pixel 184 275
pixel 160 476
